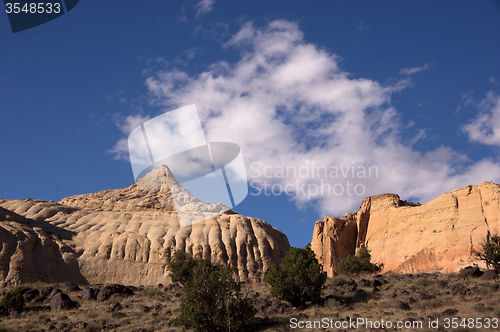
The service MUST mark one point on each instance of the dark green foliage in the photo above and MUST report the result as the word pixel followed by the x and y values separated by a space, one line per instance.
pixel 359 264
pixel 13 299
pixel 181 267
pixel 298 278
pixel 212 300
pixel 491 251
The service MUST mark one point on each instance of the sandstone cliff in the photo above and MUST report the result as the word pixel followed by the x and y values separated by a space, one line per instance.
pixel 32 249
pixel 440 235
pixel 125 236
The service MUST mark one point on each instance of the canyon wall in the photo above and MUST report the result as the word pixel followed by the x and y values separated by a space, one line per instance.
pixel 441 235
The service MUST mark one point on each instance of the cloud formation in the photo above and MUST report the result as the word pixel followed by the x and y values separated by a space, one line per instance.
pixel 131 122
pixel 485 127
pixel 363 26
pixel 126 125
pixel 414 70
pixel 204 7
pixel 305 126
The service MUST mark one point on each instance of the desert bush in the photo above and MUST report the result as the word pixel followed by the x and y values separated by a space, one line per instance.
pixel 392 275
pixel 298 278
pixel 13 299
pixel 424 282
pixel 331 303
pixel 432 303
pixel 94 326
pixel 155 293
pixel 181 267
pixel 358 264
pixel 337 281
pixel 212 300
pixel 491 251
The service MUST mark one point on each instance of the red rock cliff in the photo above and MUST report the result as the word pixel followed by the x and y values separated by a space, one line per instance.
pixel 440 235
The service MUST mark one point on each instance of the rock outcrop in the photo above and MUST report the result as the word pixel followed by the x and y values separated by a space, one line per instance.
pixel 441 235
pixel 32 249
pixel 334 239
pixel 125 236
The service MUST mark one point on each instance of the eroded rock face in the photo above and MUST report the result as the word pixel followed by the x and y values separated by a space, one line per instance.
pixel 35 250
pixel 125 236
pixel 334 239
pixel 440 235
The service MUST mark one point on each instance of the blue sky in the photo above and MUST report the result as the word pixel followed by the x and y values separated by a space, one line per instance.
pixel 411 88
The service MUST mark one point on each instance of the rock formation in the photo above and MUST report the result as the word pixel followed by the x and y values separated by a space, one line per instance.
pixel 125 236
pixel 32 249
pixel 441 235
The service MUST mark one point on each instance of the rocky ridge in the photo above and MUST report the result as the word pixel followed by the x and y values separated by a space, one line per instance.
pixel 125 236
pixel 441 235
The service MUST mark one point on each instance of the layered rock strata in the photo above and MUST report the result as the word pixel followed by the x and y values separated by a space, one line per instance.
pixel 125 236
pixel 441 235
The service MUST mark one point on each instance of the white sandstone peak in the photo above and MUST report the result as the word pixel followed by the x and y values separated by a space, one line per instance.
pixel 189 208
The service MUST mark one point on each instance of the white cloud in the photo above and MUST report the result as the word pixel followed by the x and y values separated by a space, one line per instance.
pixel 126 125
pixel 485 127
pixel 287 103
pixel 363 26
pixel 414 70
pixel 187 56
pixel 204 7
pixel 192 52
pixel 120 150
pixel 131 122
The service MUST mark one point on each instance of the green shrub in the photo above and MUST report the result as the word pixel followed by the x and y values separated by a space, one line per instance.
pixel 491 251
pixel 298 278
pixel 358 264
pixel 212 300
pixel 181 267
pixel 13 299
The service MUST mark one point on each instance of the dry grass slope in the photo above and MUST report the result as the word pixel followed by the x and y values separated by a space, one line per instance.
pixel 395 297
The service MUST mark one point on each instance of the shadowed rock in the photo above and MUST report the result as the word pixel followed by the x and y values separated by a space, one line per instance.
pixel 449 312
pixel 107 291
pixel 470 271
pixel 89 293
pixel 489 275
pixel 402 305
pixel 61 301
